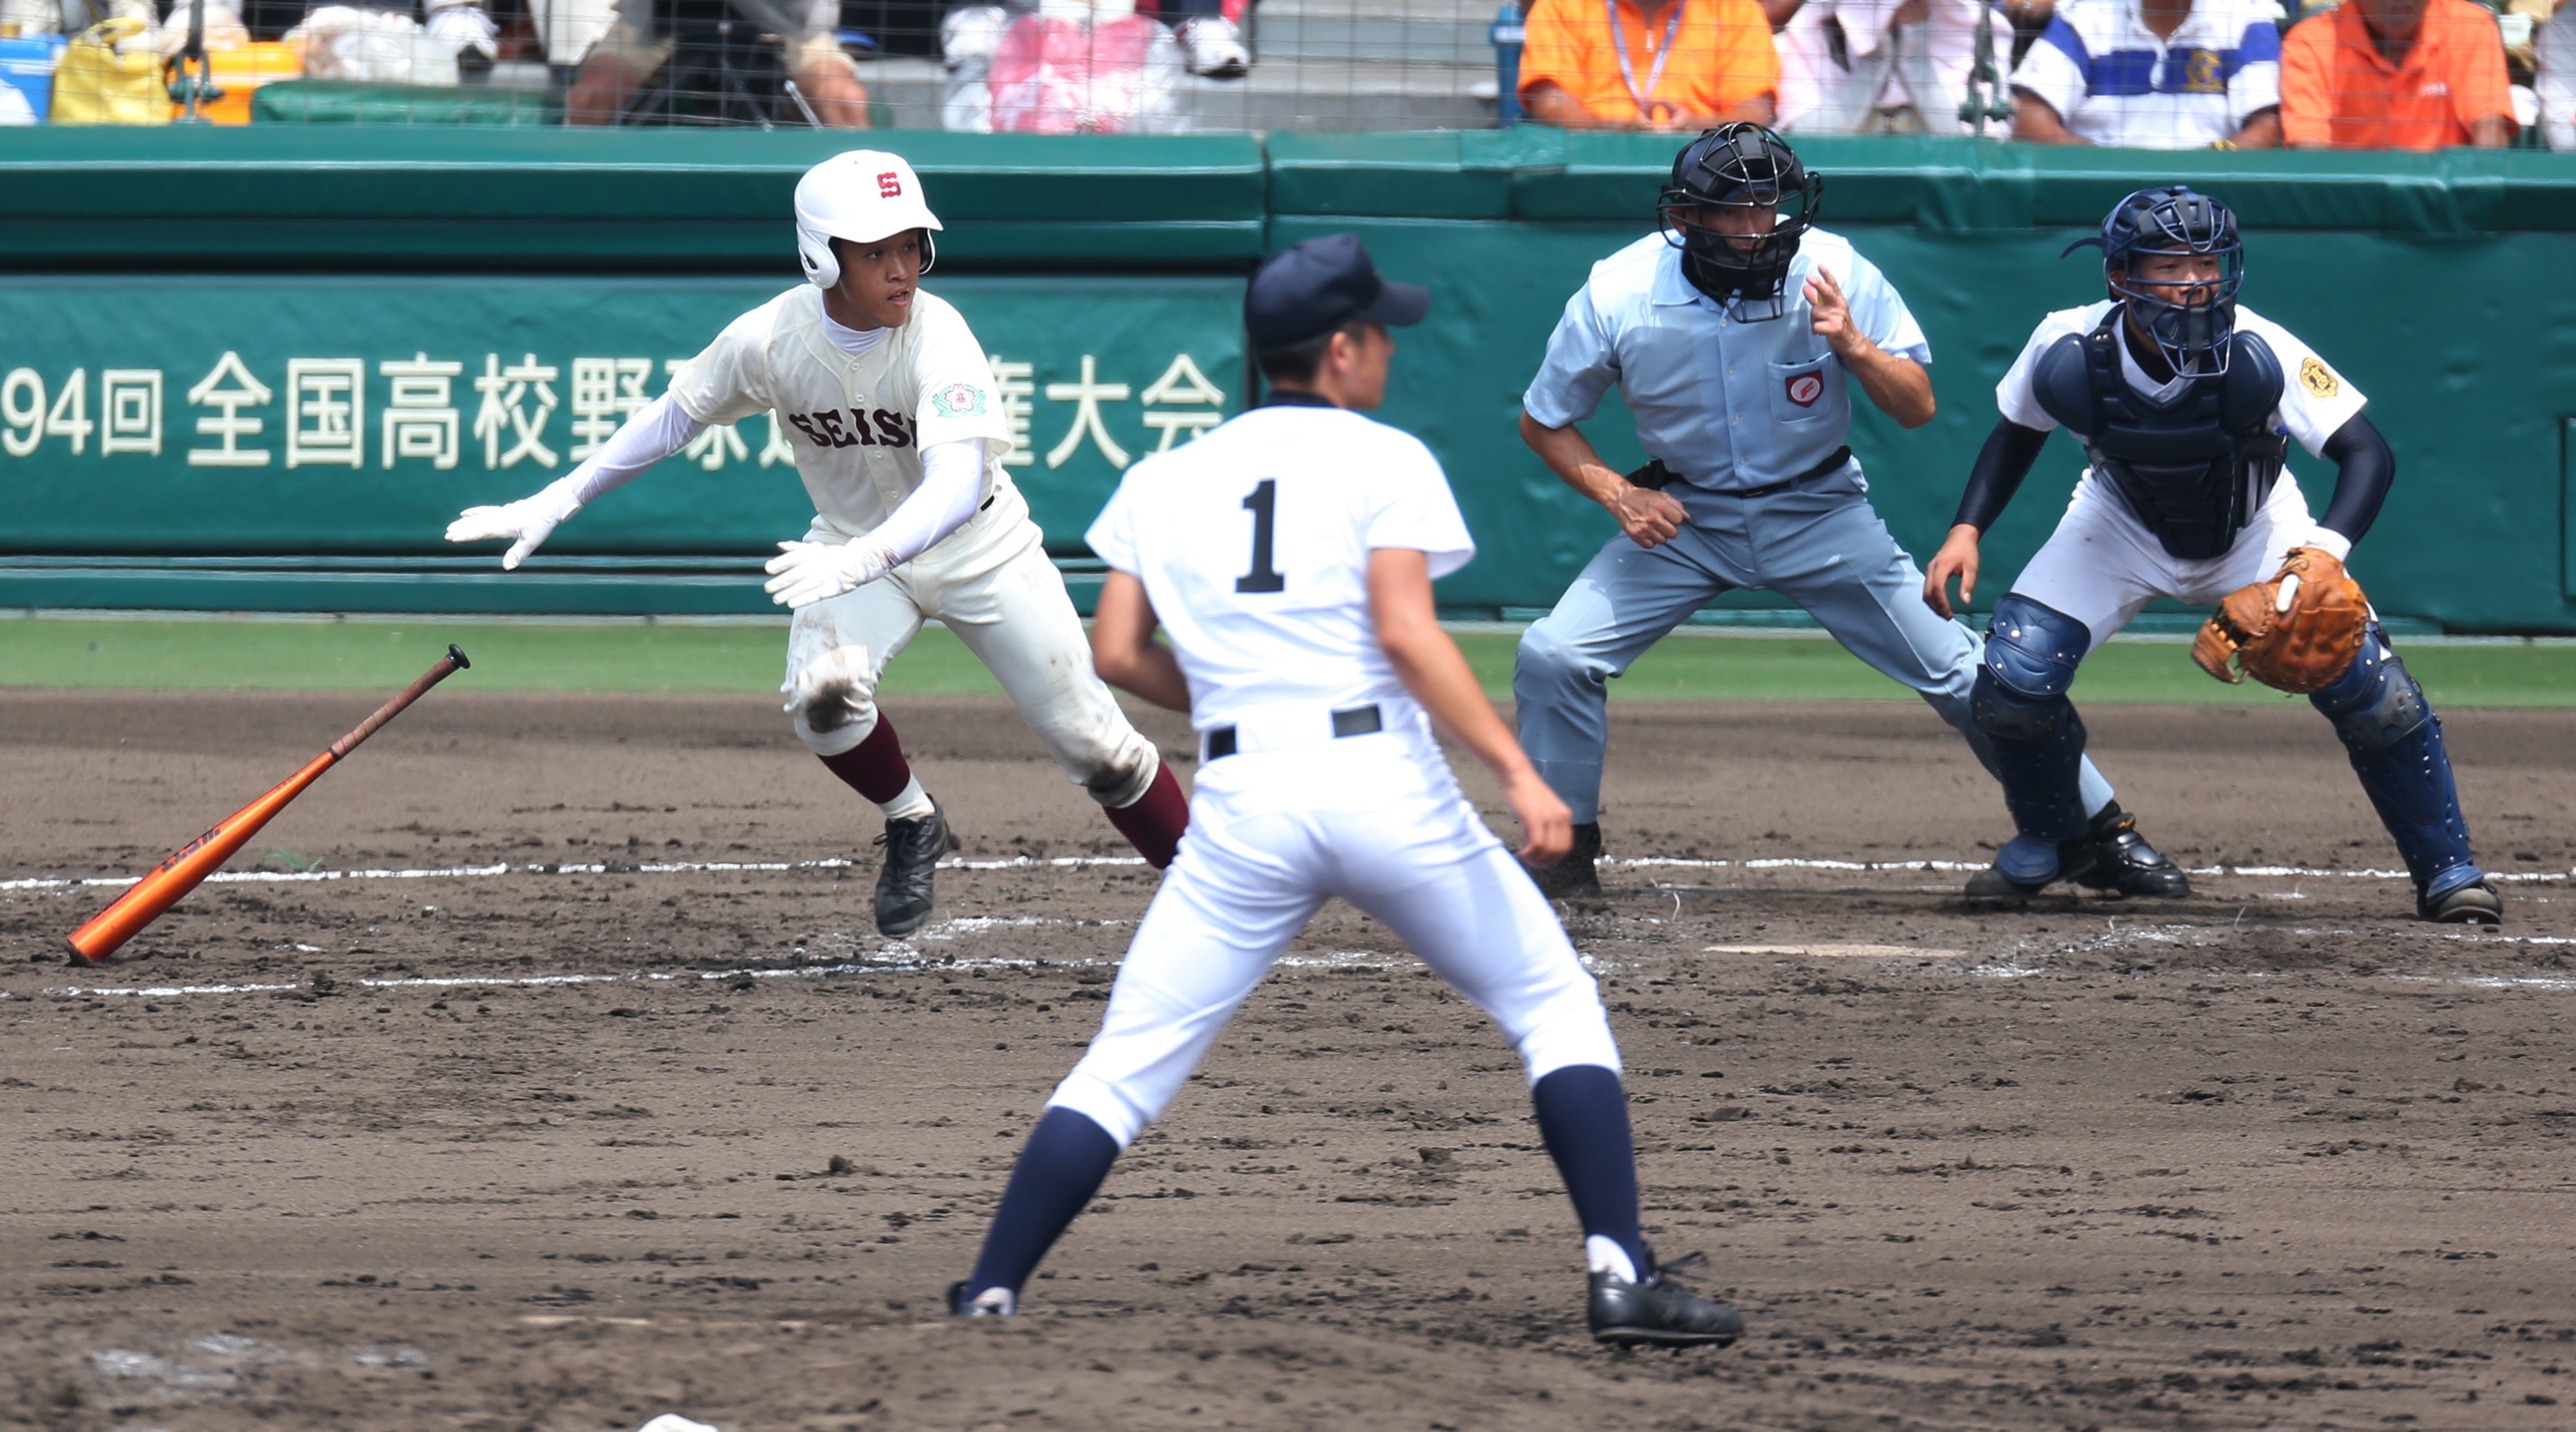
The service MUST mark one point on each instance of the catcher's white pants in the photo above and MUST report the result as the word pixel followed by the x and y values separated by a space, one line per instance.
pixel 1377 820
pixel 2102 564
pixel 992 584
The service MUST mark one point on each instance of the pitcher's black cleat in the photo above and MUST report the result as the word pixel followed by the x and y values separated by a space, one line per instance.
pixel 2124 862
pixel 1574 877
pixel 2475 903
pixel 992 1303
pixel 912 851
pixel 1659 1312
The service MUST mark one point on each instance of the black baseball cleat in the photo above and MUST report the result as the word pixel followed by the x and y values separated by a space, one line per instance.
pixel 2475 903
pixel 912 851
pixel 2123 861
pixel 1574 877
pixel 991 1303
pixel 1659 1312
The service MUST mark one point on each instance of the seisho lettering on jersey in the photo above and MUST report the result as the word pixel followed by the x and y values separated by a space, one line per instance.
pixel 858 427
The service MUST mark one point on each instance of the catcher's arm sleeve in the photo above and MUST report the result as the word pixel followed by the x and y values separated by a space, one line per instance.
pixel 2364 467
pixel 650 434
pixel 2002 463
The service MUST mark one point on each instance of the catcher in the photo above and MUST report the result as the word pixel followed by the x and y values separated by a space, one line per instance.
pixel 2186 403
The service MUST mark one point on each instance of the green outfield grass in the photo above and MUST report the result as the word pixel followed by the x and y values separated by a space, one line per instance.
pixel 383 655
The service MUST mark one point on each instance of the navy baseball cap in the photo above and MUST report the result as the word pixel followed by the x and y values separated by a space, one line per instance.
pixel 1307 290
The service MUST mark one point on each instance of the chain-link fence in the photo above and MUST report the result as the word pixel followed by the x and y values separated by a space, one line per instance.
pixel 2150 74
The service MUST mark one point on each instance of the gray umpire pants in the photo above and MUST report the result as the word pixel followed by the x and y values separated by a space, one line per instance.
pixel 1819 544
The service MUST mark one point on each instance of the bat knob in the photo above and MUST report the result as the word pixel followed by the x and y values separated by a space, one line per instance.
pixel 456 654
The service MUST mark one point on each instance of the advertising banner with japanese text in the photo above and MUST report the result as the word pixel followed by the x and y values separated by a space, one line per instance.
pixel 237 415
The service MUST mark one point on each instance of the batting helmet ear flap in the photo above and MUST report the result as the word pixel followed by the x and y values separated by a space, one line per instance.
pixel 814 248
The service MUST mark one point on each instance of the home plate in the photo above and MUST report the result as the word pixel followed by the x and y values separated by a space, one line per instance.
pixel 1840 952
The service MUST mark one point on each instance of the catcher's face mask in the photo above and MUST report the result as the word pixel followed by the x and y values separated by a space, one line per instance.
pixel 2173 258
pixel 1736 206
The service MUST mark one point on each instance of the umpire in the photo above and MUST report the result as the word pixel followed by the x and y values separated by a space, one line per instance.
pixel 1735 333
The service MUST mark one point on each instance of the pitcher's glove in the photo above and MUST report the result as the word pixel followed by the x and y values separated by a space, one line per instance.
pixel 2298 631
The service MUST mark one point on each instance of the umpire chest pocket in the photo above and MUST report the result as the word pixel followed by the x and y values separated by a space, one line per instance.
pixel 1806 392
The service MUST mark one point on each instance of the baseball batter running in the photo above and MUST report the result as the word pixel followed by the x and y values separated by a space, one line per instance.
pixel 2185 403
pixel 899 437
pixel 1736 333
pixel 1290 554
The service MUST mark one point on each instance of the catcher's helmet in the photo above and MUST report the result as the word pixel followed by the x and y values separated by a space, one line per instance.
pixel 1745 167
pixel 2190 319
pixel 862 195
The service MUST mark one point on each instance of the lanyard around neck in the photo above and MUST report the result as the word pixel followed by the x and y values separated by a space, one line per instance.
pixel 1663 52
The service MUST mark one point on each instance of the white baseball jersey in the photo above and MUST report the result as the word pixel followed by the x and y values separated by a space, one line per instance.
pixel 2102 566
pixel 857 424
pixel 1253 543
pixel 2315 399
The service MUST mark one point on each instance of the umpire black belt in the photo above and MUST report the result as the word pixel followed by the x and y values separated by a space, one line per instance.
pixel 1658 476
pixel 1219 741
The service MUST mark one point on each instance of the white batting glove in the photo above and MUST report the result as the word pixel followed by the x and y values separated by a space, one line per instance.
pixel 804 573
pixel 526 523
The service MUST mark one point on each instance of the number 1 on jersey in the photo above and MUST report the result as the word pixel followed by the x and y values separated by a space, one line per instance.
pixel 1263 504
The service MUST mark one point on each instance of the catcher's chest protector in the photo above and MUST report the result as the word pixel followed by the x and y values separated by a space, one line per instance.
pixel 2194 470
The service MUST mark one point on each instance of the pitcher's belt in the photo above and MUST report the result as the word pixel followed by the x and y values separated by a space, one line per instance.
pixel 1219 742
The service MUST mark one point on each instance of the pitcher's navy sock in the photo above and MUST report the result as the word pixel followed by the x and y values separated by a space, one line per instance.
pixel 1583 1117
pixel 1067 1157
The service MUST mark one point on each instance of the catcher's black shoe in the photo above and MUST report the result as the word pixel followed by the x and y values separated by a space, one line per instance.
pixel 1659 1312
pixel 993 1303
pixel 2475 903
pixel 1574 877
pixel 912 851
pixel 2125 863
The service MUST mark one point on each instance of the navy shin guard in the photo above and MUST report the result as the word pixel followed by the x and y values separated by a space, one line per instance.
pixel 2019 704
pixel 2395 742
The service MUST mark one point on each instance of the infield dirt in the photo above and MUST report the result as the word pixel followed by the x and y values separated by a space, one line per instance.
pixel 697 1140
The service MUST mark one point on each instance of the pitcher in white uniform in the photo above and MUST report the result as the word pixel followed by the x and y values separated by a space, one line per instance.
pixel 899 437
pixel 1290 554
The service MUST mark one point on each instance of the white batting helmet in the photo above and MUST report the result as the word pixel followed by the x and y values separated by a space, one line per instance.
pixel 862 196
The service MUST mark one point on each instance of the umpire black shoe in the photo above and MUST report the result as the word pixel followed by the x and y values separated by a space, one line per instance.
pixel 2475 903
pixel 912 851
pixel 1574 877
pixel 2125 863
pixel 1659 1312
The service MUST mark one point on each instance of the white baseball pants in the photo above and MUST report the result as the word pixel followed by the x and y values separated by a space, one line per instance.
pixel 2102 564
pixel 992 584
pixel 1377 820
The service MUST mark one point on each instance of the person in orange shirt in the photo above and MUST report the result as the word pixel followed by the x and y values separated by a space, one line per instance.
pixel 2395 74
pixel 1648 64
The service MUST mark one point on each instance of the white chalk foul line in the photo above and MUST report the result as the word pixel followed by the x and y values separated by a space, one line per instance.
pixel 1072 862
pixel 641 867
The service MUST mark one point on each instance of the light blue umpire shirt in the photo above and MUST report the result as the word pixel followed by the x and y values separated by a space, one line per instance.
pixel 1727 404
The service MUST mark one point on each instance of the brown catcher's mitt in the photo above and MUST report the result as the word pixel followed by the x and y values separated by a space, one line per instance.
pixel 2298 631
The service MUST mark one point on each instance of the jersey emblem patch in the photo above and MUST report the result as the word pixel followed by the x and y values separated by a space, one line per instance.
pixel 957 400
pixel 2317 378
pixel 1806 388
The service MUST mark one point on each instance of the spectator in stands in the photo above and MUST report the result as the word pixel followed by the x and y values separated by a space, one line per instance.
pixel 704 43
pixel 1867 66
pixel 1648 64
pixel 1209 32
pixel 2153 74
pixel 2554 77
pixel 2396 74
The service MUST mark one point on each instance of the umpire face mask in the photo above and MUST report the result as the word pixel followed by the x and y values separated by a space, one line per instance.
pixel 1737 205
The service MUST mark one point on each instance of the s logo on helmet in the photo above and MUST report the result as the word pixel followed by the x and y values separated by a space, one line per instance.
pixel 889 185
pixel 1806 388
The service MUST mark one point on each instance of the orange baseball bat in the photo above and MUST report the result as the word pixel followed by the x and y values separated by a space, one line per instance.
pixel 187 867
